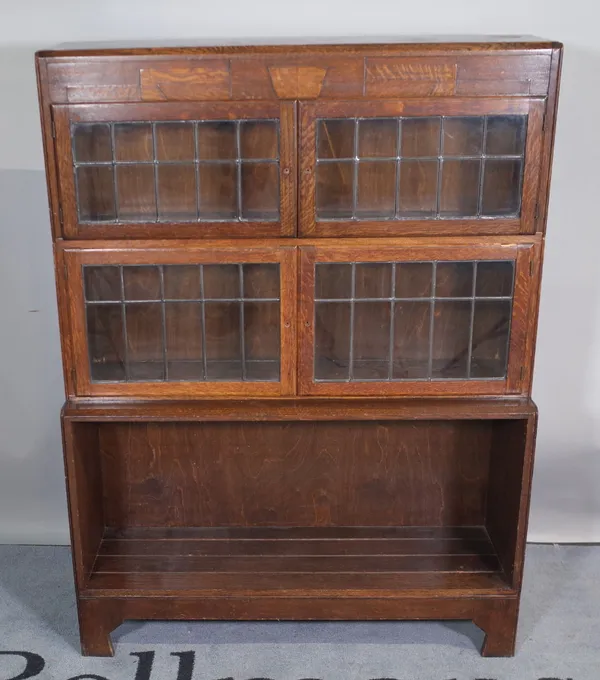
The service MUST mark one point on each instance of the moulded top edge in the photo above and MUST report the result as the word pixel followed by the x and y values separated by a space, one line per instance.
pixel 474 43
pixel 298 408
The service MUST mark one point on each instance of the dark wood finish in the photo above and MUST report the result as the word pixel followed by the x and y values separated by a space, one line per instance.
pixel 295 474
pixel 298 410
pixel 400 548
pixel 496 616
pixel 84 496
pixel 301 498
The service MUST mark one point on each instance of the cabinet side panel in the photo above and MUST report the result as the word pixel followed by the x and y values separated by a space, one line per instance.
pixel 84 494
pixel 511 465
pixel 549 132
pixel 44 100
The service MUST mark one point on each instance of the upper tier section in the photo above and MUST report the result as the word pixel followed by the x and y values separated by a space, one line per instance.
pixel 323 140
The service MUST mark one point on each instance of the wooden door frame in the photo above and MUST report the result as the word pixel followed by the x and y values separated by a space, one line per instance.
pixel 73 255
pixel 524 251
pixel 63 115
pixel 525 224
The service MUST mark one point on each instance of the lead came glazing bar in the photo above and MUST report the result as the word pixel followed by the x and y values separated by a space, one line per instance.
pixel 164 321
pixel 392 323
pixel 203 313
pixel 351 347
pixel 432 320
pixel 472 321
pixel 125 338
pixel 242 324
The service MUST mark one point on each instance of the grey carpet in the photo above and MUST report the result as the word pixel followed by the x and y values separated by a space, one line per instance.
pixel 559 634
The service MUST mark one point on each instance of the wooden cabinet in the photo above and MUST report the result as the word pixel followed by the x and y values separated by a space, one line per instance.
pixel 298 291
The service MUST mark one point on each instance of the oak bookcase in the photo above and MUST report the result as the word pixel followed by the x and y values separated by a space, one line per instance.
pixel 298 290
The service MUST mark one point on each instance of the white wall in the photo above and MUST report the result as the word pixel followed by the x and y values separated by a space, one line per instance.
pixel 566 501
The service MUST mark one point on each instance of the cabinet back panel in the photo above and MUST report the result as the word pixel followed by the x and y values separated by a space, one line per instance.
pixel 425 473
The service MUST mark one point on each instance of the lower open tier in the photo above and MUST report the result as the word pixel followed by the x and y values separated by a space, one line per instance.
pixel 292 562
pixel 291 511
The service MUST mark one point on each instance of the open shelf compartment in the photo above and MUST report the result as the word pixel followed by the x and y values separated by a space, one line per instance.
pixel 411 498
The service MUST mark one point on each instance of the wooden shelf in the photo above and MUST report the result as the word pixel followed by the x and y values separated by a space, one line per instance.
pixel 294 562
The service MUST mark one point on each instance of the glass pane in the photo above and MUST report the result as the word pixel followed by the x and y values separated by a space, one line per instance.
pixel 491 323
pixel 221 281
pixel 440 165
pixel 223 341
pixel 333 281
pixel 218 191
pixel 261 340
pixel 377 138
pixel 262 371
pixel 454 279
pixel 371 340
pixel 260 191
pixel 385 321
pixel 411 340
pixel 175 142
pixel 193 331
pixel 376 189
pixel 332 340
pixel 136 199
pixel 176 192
pixel 414 279
pixel 217 141
pixel 420 137
pixel 334 191
pixel 182 282
pixel 141 283
pixel 258 139
pixel 463 136
pixel 261 280
pixel 92 143
pixel 373 280
pixel 102 283
pixel 133 142
pixel 501 187
pixel 450 349
pixel 105 342
pixel 96 193
pixel 184 340
pixel 494 279
pixel 335 139
pixel 418 188
pixel 506 135
pixel 145 349
pixel 460 188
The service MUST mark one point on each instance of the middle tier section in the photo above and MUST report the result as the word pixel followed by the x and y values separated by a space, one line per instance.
pixel 453 316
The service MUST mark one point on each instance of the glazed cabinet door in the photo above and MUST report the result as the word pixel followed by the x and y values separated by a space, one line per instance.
pixel 450 317
pixel 420 167
pixel 184 169
pixel 167 321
